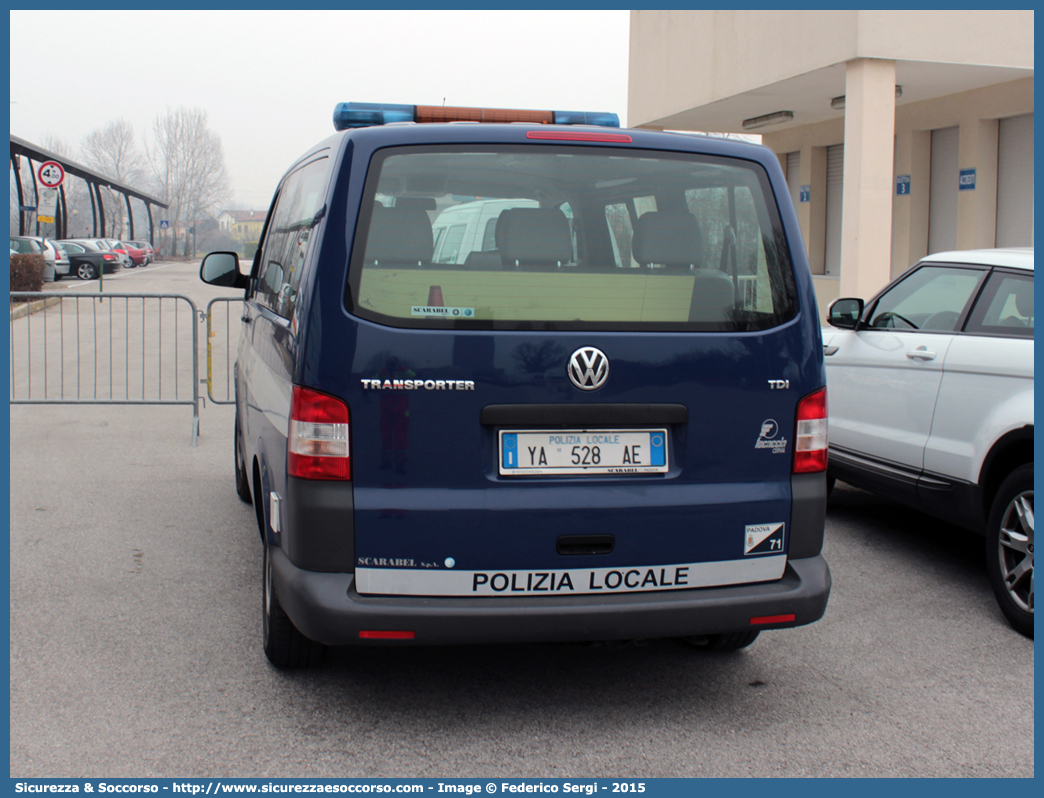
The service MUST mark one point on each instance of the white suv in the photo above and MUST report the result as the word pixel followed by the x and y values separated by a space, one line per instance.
pixel 931 402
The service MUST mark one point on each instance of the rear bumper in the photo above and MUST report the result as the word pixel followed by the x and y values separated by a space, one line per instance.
pixel 326 607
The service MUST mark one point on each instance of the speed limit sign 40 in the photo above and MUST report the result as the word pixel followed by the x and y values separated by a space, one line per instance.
pixel 51 174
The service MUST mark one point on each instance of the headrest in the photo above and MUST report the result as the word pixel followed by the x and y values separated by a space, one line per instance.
pixel 667 238
pixel 1024 298
pixel 399 235
pixel 533 236
pixel 415 203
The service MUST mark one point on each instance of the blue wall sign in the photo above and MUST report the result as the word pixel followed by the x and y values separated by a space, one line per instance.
pixel 902 185
pixel 804 193
pixel 967 181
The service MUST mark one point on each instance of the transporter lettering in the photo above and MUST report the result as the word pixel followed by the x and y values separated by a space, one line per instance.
pixel 419 385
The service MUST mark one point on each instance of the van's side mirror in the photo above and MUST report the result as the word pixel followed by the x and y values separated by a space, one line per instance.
pixel 222 268
pixel 845 313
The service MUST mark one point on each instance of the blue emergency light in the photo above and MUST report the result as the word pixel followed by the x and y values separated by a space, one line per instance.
pixel 351 115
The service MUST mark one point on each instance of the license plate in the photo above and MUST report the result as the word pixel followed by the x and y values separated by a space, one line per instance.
pixel 599 451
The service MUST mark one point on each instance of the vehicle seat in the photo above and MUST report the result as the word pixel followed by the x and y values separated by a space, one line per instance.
pixel 483 261
pixel 675 241
pixel 671 240
pixel 1024 300
pixel 399 236
pixel 533 237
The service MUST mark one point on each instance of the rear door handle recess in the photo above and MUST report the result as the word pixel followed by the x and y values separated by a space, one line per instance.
pixel 921 353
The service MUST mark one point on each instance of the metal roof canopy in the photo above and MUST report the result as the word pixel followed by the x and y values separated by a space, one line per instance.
pixel 95 180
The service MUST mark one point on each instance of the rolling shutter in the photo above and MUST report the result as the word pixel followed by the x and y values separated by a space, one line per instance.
pixel 794 176
pixel 835 189
pixel 1015 182
pixel 942 196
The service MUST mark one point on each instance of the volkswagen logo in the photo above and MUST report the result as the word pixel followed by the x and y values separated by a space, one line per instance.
pixel 588 368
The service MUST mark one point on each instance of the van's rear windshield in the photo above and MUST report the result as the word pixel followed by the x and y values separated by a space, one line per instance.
pixel 540 237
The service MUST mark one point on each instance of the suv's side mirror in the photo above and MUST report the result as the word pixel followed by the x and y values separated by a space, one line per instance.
pixel 845 313
pixel 222 268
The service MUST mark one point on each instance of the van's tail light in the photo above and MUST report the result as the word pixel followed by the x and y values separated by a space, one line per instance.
pixel 317 446
pixel 810 448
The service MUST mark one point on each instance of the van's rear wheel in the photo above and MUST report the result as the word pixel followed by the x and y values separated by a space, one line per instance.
pixel 728 641
pixel 284 645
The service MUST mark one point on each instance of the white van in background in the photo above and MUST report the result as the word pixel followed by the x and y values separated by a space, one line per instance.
pixel 470 227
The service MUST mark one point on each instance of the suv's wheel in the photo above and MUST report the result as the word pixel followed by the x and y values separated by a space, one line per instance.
pixel 1009 540
pixel 728 641
pixel 86 271
pixel 284 645
pixel 242 483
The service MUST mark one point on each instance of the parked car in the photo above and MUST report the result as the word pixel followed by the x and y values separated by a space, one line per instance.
pixel 54 266
pixel 931 402
pixel 61 261
pixel 136 254
pixel 116 246
pixel 87 259
pixel 543 442
pixel 146 247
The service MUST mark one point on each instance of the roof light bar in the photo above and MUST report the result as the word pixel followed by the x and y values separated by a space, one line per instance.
pixel 352 115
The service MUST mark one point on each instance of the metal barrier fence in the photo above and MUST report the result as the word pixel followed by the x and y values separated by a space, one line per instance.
pixel 224 315
pixel 119 349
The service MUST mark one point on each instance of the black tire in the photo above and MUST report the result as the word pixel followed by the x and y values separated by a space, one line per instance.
pixel 830 484
pixel 1009 548
pixel 242 481
pixel 728 641
pixel 284 645
pixel 86 271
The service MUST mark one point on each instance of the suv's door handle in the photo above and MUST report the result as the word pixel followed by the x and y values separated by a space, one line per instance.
pixel 921 353
pixel 245 319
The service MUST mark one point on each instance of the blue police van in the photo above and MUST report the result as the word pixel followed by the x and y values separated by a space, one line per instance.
pixel 597 413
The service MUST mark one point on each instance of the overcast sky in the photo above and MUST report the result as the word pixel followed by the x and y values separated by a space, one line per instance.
pixel 269 80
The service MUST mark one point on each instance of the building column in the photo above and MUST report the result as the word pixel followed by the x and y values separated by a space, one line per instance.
pixel 977 208
pixel 913 158
pixel 814 175
pixel 866 223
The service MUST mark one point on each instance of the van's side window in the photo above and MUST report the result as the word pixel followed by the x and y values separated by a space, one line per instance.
pixel 451 244
pixel 286 245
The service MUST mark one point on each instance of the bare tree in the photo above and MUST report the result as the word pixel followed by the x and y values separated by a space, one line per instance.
pixel 58 146
pixel 113 151
pixel 188 162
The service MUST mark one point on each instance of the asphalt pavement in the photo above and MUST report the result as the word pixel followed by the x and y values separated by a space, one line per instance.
pixel 136 624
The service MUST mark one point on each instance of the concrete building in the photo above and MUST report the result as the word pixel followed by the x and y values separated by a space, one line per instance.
pixel 900 132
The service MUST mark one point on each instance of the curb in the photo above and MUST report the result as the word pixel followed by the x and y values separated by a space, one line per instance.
pixel 33 307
